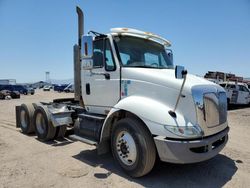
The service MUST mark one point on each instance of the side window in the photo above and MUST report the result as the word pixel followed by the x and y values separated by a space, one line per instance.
pixel 98 54
pixel 109 59
pixel 243 88
pixel 151 59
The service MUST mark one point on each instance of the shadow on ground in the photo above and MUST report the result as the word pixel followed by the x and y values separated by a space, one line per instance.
pixel 57 142
pixel 214 173
pixel 237 107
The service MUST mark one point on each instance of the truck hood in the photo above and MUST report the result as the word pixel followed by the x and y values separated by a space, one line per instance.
pixel 166 78
pixel 161 85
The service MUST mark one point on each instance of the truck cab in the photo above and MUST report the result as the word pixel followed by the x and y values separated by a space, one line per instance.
pixel 132 72
pixel 132 100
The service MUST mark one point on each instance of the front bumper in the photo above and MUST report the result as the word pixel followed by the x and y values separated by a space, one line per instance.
pixel 184 151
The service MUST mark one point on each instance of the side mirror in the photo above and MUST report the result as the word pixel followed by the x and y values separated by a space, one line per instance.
pixel 87 47
pixel 180 72
pixel 87 52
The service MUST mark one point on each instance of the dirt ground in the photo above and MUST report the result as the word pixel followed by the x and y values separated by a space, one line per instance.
pixel 27 162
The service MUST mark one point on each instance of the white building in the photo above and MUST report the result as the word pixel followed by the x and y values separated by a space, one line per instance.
pixel 7 81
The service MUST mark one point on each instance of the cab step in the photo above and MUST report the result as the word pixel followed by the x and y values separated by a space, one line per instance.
pixel 84 140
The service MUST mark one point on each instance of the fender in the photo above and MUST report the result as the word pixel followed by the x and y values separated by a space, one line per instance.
pixel 153 113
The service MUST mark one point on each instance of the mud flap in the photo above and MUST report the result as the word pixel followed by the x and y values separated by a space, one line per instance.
pixel 18 116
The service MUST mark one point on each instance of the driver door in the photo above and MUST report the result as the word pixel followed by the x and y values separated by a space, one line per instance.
pixel 101 85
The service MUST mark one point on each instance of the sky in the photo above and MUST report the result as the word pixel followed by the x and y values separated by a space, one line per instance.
pixel 38 35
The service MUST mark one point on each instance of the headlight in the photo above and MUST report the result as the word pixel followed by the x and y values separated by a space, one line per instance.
pixel 185 131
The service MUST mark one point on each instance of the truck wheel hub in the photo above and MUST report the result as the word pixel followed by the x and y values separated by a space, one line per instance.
pixel 126 148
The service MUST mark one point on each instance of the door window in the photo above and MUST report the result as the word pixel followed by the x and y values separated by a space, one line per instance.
pixel 98 54
pixel 243 88
pixel 109 59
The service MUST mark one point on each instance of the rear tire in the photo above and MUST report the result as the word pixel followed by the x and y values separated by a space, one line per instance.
pixel 133 147
pixel 26 118
pixel 43 125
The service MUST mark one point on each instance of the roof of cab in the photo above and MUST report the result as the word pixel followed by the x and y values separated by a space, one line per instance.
pixel 142 34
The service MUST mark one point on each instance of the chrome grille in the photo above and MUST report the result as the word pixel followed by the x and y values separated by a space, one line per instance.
pixel 215 109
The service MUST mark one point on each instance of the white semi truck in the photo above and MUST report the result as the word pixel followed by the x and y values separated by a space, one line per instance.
pixel 131 100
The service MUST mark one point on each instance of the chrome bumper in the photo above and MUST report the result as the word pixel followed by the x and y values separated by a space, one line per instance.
pixel 185 151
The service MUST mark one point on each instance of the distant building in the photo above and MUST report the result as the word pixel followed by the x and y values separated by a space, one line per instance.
pixel 7 81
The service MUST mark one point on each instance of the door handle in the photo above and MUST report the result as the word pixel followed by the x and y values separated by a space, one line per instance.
pixel 88 89
pixel 107 76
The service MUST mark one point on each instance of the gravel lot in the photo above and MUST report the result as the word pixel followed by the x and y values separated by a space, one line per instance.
pixel 27 162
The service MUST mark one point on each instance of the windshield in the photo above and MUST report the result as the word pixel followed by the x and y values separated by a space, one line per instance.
pixel 138 52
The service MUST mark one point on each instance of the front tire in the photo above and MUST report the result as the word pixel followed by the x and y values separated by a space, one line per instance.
pixel 133 147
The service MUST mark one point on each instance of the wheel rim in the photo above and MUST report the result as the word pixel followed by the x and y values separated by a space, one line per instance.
pixel 126 148
pixel 24 119
pixel 40 123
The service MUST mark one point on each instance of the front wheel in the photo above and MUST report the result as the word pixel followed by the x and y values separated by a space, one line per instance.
pixel 133 147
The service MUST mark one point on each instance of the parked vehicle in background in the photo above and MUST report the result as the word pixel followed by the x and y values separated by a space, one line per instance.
pixel 46 88
pixel 31 90
pixel 60 88
pixel 21 89
pixel 237 93
pixel 69 88
pixel 12 94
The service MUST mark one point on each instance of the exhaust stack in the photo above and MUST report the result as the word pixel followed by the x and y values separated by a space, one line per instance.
pixel 80 24
pixel 77 55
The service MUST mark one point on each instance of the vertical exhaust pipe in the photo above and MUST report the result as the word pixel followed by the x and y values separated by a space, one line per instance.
pixel 80 25
pixel 77 59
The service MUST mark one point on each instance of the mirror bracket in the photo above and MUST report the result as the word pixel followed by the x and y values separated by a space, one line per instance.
pixel 180 73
